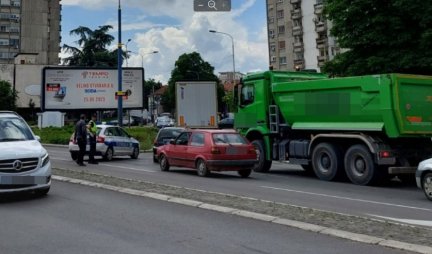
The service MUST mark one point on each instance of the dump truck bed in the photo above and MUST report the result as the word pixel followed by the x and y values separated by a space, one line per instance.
pixel 398 104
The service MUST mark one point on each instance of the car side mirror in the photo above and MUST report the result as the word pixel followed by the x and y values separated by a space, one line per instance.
pixel 172 141
pixel 38 138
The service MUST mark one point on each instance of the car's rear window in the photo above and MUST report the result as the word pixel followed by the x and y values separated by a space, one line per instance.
pixel 169 133
pixel 228 138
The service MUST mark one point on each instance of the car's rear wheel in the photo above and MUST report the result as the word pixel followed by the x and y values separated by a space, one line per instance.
pixel 135 153
pixel 109 154
pixel 163 163
pixel 202 169
pixel 427 185
pixel 245 172
pixel 74 156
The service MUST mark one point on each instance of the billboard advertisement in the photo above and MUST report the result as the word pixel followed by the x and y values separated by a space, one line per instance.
pixel 66 88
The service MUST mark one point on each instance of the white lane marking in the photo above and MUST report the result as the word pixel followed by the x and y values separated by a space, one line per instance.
pixel 351 199
pixel 109 165
pixel 427 223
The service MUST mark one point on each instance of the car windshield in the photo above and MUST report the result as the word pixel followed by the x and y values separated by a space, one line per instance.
pixel 228 138
pixel 14 129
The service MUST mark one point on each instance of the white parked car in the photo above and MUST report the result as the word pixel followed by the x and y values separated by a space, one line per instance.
pixel 111 141
pixel 424 177
pixel 24 162
pixel 164 121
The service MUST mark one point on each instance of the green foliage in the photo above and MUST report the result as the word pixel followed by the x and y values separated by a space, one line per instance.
pixel 8 96
pixel 190 67
pixel 55 135
pixel 92 48
pixel 382 36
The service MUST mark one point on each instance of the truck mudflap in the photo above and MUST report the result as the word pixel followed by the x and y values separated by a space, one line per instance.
pixel 401 170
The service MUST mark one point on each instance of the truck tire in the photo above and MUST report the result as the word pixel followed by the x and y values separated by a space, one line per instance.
pixel 426 183
pixel 262 165
pixel 327 161
pixel 359 166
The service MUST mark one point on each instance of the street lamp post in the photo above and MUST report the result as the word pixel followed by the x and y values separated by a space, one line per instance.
pixel 127 51
pixel 233 57
pixel 142 65
pixel 119 67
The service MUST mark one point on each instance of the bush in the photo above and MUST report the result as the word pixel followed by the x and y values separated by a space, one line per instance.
pixel 61 136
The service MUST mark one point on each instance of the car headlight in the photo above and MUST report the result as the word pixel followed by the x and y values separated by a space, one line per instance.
pixel 45 159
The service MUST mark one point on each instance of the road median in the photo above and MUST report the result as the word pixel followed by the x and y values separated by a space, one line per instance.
pixel 400 236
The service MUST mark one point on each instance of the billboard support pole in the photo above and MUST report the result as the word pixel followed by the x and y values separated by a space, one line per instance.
pixel 119 55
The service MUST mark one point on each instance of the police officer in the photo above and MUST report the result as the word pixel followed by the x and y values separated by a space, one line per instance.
pixel 92 134
pixel 81 139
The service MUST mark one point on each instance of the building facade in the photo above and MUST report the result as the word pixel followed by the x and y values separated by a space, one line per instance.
pixel 299 36
pixel 30 27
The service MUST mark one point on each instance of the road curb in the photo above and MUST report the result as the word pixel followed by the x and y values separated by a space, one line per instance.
pixel 258 216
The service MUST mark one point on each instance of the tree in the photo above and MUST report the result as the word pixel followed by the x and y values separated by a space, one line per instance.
pixel 9 96
pixel 381 36
pixel 190 67
pixel 92 48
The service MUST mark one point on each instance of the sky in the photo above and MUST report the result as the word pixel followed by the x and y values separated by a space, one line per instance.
pixel 172 28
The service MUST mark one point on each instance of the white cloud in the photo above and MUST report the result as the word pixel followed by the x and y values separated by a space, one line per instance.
pixel 187 31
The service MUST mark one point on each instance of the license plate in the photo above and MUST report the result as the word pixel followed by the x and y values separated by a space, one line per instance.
pixel 233 150
pixel 23 180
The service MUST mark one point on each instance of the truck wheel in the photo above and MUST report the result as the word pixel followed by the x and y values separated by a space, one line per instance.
pixel 427 185
pixel 359 165
pixel 262 165
pixel 327 161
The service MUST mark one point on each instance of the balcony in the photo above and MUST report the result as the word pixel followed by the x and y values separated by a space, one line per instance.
pixel 297 30
pixel 296 14
pixel 298 49
pixel 321 43
pixel 320 27
pixel 299 62
pixel 322 59
pixel 298 44
pixel 318 8
pixel 295 1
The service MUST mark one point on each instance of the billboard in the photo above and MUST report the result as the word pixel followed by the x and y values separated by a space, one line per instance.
pixel 67 88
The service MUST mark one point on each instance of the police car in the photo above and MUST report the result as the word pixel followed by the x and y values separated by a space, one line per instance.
pixel 111 141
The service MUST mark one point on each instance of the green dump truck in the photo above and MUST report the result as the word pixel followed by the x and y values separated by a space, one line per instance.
pixel 365 128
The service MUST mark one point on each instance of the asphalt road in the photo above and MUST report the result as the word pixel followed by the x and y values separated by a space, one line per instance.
pixel 285 183
pixel 81 219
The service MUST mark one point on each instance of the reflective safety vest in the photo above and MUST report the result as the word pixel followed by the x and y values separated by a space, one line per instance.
pixel 92 128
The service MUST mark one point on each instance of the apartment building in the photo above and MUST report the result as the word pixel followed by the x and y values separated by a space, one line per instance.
pixel 32 28
pixel 299 36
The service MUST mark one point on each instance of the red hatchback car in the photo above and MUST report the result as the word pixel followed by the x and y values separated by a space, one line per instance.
pixel 209 150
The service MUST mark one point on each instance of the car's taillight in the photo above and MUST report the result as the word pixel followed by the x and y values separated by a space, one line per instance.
pixel 100 139
pixel 252 150
pixel 215 150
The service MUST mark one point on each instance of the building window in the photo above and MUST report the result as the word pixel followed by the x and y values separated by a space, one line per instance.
pixel 3 29
pixel 281 44
pixel 298 39
pixel 282 60
pixel 271 20
pixel 297 22
pixel 280 14
pixel 281 29
pixel 4 42
pixel 273 59
pixel 272 47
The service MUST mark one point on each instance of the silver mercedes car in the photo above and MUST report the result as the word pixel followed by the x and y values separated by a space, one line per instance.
pixel 24 162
